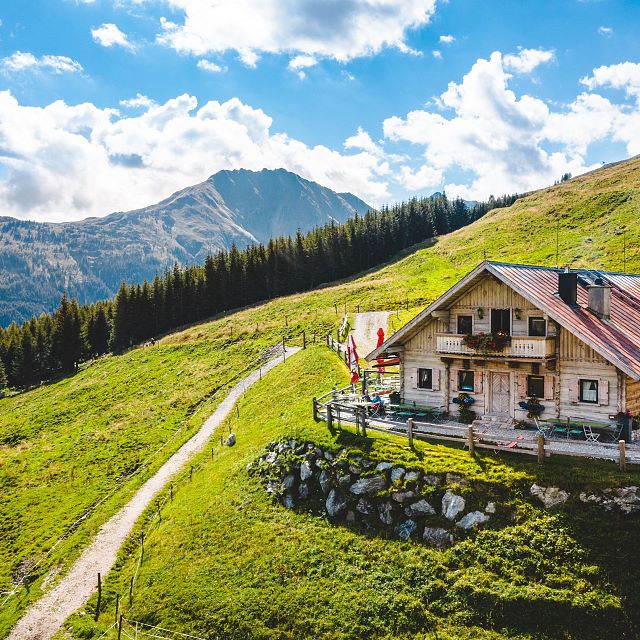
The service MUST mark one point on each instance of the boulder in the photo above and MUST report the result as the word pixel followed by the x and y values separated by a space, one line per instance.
pixel 289 481
pixel 396 474
pixel 351 517
pixel 412 476
pixel 406 529
pixel 305 471
pixel 420 508
pixel 385 509
pixel 456 478
pixel 432 480
pixel 325 482
pixel 383 466
pixel 490 508
pixel 368 486
pixel 365 506
pixel 287 501
pixel 328 456
pixel 549 496
pixel 336 503
pixel 403 496
pixel 452 505
pixel 345 480
pixel 626 499
pixel 272 456
pixel 472 520
pixel 437 537
pixel 303 491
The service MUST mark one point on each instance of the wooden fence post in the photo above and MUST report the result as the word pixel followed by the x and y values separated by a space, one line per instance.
pixel 410 431
pixel 623 455
pixel 330 416
pixel 364 422
pixel 131 592
pixel 540 448
pixel 120 625
pixel 117 605
pixel 315 409
pixel 304 340
pixel 99 598
pixel 470 441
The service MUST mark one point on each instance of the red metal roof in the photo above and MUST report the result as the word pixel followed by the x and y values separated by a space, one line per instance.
pixel 617 338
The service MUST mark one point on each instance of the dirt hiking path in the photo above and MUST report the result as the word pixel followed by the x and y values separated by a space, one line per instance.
pixel 365 330
pixel 43 619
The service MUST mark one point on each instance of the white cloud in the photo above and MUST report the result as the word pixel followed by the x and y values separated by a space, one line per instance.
pixel 510 143
pixel 70 161
pixel 625 75
pixel 607 32
pixel 109 35
pixel 299 63
pixel 140 101
pixel 526 60
pixel 437 54
pixel 22 61
pixel 339 29
pixel 211 67
pixel 447 39
pixel 362 140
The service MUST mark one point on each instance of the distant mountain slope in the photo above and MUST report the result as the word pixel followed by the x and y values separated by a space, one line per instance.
pixel 89 259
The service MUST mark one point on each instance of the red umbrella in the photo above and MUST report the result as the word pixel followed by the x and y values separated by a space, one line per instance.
pixel 380 366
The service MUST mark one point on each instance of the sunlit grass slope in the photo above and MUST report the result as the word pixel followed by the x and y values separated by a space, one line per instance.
pixel 66 445
pixel 225 562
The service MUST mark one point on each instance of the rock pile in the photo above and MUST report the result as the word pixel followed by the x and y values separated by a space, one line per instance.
pixel 623 499
pixel 373 497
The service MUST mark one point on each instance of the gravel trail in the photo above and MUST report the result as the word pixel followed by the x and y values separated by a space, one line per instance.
pixel 365 330
pixel 43 619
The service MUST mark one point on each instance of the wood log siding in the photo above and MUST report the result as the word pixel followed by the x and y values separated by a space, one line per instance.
pixel 633 396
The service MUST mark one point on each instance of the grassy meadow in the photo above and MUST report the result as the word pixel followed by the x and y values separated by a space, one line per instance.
pixel 224 561
pixel 68 444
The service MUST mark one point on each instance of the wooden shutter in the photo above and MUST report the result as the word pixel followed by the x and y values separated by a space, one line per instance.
pixel 574 390
pixel 522 385
pixel 549 387
pixel 435 379
pixel 454 380
pixel 413 379
pixel 477 381
pixel 603 392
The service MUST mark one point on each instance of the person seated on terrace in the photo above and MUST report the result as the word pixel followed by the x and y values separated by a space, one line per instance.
pixel 377 405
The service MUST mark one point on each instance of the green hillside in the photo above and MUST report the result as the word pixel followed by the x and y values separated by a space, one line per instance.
pixel 66 445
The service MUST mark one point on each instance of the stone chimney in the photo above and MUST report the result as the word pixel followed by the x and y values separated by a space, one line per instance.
pixel 600 299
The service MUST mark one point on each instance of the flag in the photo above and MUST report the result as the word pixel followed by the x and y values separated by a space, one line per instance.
pixel 352 355
pixel 380 366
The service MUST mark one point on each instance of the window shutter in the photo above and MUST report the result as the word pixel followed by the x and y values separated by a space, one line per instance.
pixel 413 379
pixel 574 390
pixel 454 380
pixel 435 379
pixel 549 387
pixel 603 392
pixel 522 385
pixel 477 382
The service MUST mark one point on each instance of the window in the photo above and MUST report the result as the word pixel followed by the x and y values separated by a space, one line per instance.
pixel 465 381
pixel 535 386
pixel 501 321
pixel 537 327
pixel 589 391
pixel 465 325
pixel 425 378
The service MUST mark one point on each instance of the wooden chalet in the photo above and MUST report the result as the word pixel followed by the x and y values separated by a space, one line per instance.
pixel 506 333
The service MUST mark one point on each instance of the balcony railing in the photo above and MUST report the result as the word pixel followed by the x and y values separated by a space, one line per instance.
pixel 520 347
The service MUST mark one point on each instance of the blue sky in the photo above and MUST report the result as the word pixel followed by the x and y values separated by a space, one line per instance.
pixel 113 104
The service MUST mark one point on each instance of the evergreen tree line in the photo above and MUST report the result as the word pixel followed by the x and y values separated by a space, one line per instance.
pixel 57 343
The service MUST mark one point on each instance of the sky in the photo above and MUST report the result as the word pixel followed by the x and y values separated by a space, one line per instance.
pixel 111 105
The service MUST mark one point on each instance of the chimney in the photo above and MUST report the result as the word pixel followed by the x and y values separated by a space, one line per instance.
pixel 568 287
pixel 600 299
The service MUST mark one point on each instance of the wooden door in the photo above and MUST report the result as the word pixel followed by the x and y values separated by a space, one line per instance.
pixel 501 393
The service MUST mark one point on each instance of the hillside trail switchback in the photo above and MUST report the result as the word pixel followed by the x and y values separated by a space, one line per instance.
pixel 43 618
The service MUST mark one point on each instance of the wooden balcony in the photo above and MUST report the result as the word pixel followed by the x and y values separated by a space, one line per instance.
pixel 520 347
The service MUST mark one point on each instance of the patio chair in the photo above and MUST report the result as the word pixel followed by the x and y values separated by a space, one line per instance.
pixel 545 429
pixel 589 435
pixel 377 410
pixel 614 434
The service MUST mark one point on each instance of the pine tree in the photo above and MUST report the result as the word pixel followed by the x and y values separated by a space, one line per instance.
pixel 3 379
pixel 66 338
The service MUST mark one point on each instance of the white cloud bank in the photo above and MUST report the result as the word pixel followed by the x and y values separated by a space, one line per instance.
pixel 68 162
pixel 109 35
pixel 507 143
pixel 24 61
pixel 337 29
